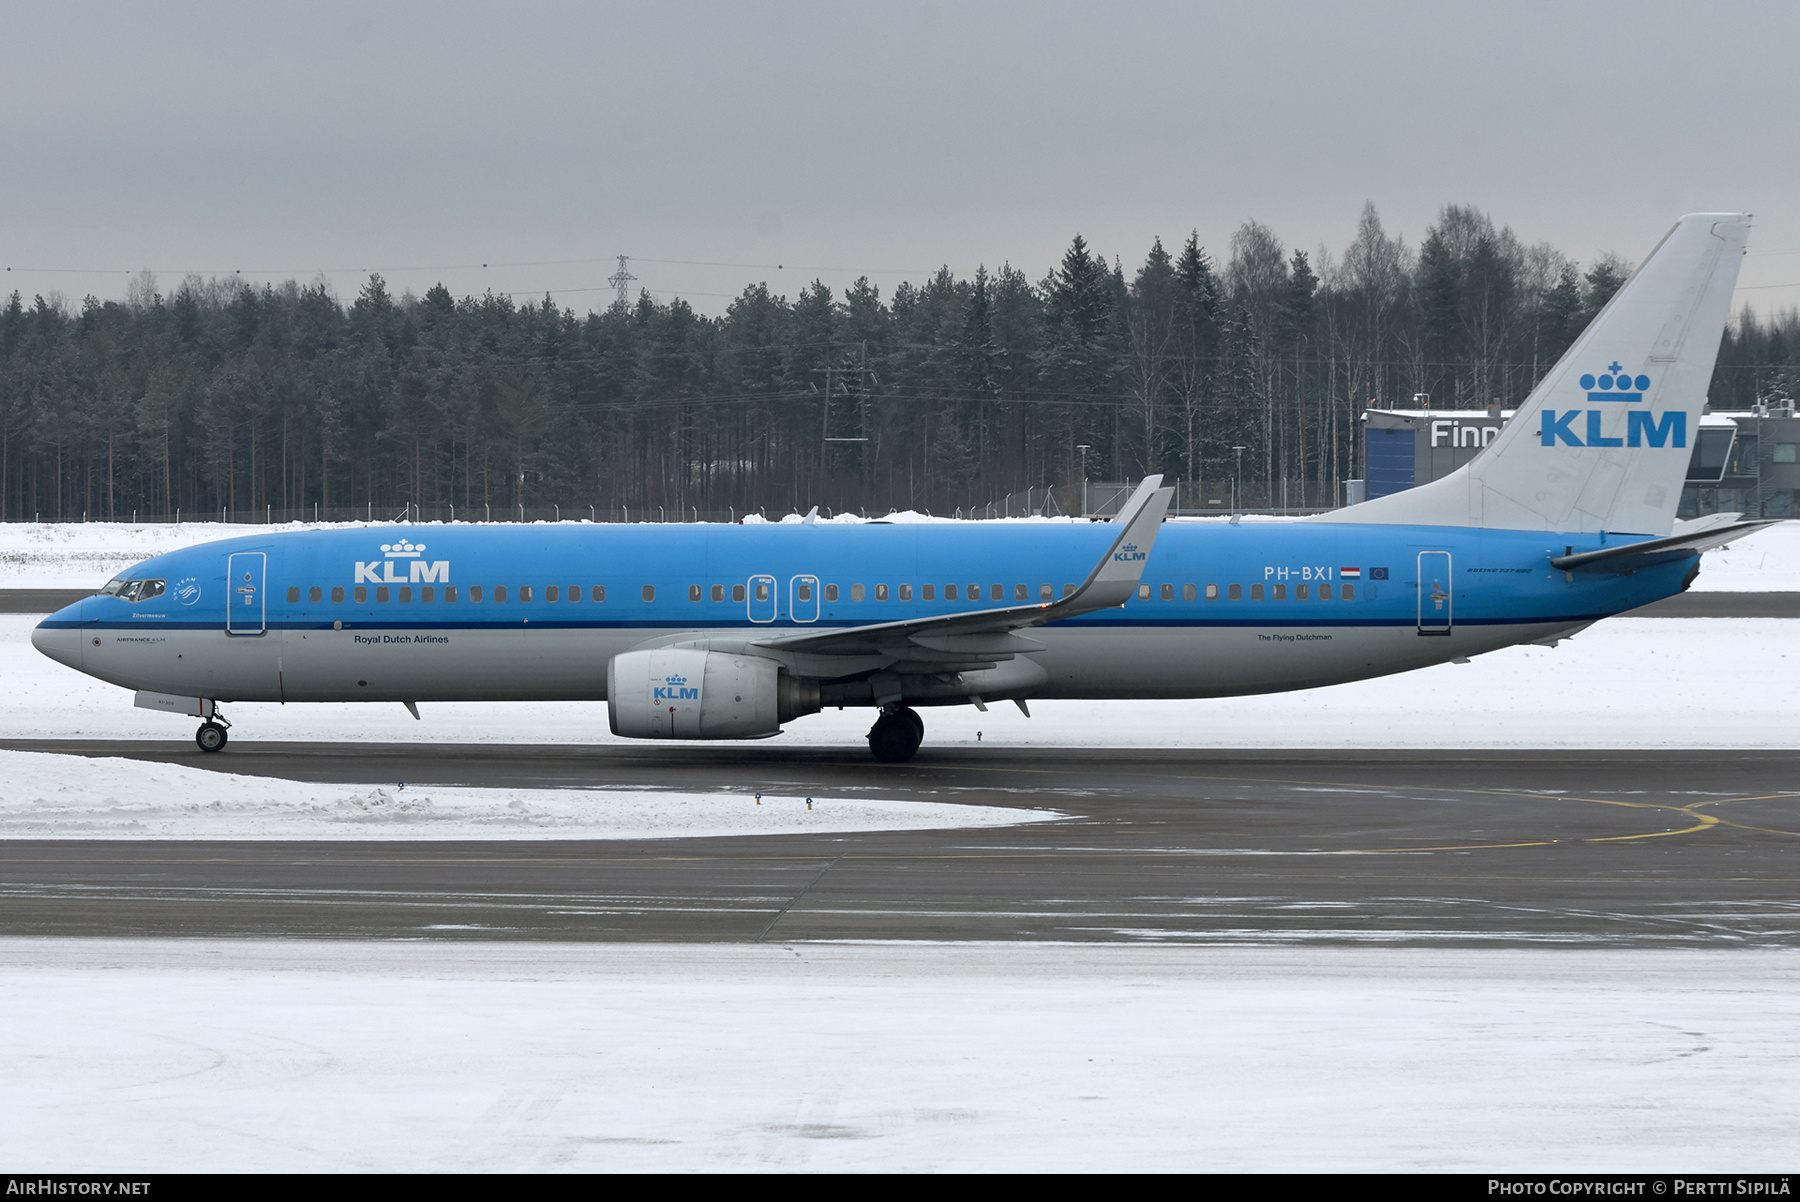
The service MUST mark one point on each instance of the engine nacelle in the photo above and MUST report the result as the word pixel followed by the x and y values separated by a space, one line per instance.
pixel 684 693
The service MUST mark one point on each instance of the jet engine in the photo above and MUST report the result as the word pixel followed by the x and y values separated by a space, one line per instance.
pixel 687 693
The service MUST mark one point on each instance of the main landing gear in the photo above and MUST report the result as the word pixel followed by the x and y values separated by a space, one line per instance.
pixel 896 735
pixel 211 735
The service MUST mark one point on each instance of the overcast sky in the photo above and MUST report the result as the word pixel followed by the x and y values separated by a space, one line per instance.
pixel 423 141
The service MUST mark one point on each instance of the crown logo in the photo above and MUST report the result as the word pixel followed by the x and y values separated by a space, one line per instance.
pixel 405 548
pixel 1615 384
pixel 673 681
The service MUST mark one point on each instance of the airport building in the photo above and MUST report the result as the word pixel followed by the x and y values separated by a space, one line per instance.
pixel 1742 462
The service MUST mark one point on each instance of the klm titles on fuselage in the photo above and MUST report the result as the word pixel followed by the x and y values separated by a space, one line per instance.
pixel 418 569
pixel 1614 386
pixel 1129 553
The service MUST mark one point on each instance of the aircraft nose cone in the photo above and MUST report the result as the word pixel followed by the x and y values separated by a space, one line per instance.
pixel 60 641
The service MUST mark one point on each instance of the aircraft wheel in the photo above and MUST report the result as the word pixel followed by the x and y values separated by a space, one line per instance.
pixel 896 736
pixel 210 737
pixel 918 724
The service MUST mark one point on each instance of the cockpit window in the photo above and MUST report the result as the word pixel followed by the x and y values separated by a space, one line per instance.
pixel 133 590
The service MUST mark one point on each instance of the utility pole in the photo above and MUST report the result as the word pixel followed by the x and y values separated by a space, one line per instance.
pixel 621 279
pixel 1237 502
pixel 1083 448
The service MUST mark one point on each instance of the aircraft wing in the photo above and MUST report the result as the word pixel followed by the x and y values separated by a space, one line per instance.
pixel 1631 557
pixel 982 636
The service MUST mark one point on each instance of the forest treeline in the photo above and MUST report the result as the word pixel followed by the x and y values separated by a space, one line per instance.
pixel 945 394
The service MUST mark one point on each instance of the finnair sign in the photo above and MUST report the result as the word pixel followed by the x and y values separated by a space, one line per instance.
pixel 409 558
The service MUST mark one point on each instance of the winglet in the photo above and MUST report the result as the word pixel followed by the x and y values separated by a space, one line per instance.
pixel 1115 578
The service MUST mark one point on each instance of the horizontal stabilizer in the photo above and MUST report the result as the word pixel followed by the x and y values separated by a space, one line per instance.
pixel 1632 557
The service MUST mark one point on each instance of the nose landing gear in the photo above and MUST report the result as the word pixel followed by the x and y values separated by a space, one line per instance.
pixel 211 735
pixel 896 735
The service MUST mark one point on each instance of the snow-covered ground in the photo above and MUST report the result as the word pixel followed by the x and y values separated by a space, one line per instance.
pixel 88 554
pixel 55 796
pixel 1627 682
pixel 199 1056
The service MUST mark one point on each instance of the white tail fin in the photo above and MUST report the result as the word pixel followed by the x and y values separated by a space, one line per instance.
pixel 1603 442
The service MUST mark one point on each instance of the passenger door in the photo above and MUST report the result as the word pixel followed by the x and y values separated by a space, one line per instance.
pixel 1434 592
pixel 245 608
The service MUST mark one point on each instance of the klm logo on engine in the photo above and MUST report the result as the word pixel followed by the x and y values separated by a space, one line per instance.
pixel 1128 554
pixel 417 569
pixel 1588 427
pixel 674 688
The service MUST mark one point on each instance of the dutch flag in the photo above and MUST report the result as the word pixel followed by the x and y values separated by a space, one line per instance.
pixel 1350 573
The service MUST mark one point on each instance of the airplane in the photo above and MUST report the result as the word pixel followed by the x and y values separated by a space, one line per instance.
pixel 731 631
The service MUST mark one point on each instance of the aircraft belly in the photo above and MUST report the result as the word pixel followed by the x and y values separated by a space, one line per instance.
pixel 1225 661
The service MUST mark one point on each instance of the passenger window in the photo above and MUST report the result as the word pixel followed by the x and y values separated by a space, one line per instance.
pixel 314 595
pixel 803 591
pixel 499 594
pixel 524 592
pixel 1187 592
pixel 381 594
pixel 337 594
pixel 1256 592
pixel 949 592
pixel 293 594
pixel 906 592
pixel 598 593
pixel 1237 592
pixel 552 593
pixel 737 592
pixel 1212 592
pixel 928 591
pixel 649 592
pixel 974 592
pixel 831 592
pixel 1020 593
pixel 575 593
pixel 1280 593
pixel 362 595
pixel 427 594
pixel 1046 592
pixel 1349 592
pixel 762 590
pixel 406 594
pixel 1068 590
pixel 881 592
pixel 1143 592
pixel 1324 592
pixel 857 592
pixel 693 592
pixel 718 592
pixel 449 594
pixel 1302 592
pixel 996 592
pixel 1168 592
pixel 474 594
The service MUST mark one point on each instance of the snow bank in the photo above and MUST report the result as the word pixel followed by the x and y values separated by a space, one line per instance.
pixel 88 554
pixel 65 797
pixel 1627 682
pixel 201 1056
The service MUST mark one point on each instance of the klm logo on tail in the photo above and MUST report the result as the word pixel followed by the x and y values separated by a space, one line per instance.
pixel 1587 427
